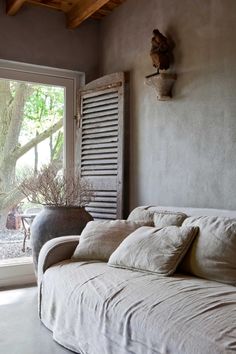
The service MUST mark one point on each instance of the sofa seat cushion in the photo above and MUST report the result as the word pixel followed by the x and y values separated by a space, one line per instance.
pixel 92 309
pixel 212 255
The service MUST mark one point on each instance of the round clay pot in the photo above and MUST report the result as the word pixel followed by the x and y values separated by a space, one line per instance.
pixel 54 222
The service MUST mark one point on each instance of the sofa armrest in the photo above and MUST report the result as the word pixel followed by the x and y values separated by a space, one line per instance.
pixel 54 251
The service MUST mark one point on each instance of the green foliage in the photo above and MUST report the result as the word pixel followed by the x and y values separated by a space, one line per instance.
pixel 44 107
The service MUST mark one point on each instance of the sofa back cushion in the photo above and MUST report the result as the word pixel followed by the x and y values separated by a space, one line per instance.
pixel 155 250
pixel 213 253
pixel 158 218
pixel 99 239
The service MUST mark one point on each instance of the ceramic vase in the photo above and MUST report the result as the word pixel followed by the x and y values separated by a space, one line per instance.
pixel 54 222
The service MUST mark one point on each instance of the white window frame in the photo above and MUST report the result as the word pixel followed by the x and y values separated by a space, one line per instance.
pixel 15 274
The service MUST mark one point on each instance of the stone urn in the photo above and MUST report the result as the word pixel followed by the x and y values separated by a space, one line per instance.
pixel 55 221
pixel 163 84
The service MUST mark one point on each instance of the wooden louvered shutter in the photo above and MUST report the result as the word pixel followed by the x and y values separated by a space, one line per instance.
pixel 101 143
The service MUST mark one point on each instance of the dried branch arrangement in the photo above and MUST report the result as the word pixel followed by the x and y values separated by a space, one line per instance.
pixel 52 188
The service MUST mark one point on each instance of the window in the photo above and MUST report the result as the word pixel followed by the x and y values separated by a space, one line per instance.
pixel 45 103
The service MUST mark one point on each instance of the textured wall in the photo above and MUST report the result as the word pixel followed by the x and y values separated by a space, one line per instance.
pixel 183 152
pixel 39 36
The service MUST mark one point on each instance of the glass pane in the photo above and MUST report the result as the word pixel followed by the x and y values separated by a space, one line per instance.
pixel 31 135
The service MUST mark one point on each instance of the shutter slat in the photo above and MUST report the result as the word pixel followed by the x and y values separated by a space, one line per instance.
pixel 99 156
pixel 106 199
pixel 99 145
pixel 105 193
pixel 99 151
pixel 100 130
pixel 102 204
pixel 99 166
pixel 99 95
pixel 101 135
pixel 98 173
pixel 108 107
pixel 110 113
pixel 100 119
pixel 100 142
pixel 102 210
pixel 100 102
pixel 103 216
pixel 92 125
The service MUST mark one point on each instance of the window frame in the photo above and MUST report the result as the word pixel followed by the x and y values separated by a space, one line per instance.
pixel 71 81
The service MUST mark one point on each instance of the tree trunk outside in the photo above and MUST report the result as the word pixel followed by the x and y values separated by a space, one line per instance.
pixel 3 218
pixel 36 157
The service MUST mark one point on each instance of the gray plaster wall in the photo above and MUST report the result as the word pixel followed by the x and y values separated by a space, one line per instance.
pixel 39 36
pixel 183 152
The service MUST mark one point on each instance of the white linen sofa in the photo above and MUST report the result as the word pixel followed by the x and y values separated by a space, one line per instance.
pixel 92 308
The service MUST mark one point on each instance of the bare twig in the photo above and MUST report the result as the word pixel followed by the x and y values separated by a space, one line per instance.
pixel 49 187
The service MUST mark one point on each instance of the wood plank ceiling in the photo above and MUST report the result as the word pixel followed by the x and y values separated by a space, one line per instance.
pixel 76 11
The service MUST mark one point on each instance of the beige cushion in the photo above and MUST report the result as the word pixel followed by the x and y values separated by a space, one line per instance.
pixel 158 218
pixel 100 238
pixel 154 250
pixel 164 219
pixel 213 253
pixel 141 214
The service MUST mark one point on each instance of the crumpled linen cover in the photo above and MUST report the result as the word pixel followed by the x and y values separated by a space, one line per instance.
pixel 212 254
pixel 96 309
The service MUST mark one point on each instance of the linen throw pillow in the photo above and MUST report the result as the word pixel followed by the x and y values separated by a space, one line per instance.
pixel 164 219
pixel 100 238
pixel 213 253
pixel 153 250
pixel 141 214
pixel 157 218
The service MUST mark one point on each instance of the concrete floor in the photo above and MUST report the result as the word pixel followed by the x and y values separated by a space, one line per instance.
pixel 21 332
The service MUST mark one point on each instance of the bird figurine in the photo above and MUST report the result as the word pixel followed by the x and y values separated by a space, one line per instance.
pixel 160 51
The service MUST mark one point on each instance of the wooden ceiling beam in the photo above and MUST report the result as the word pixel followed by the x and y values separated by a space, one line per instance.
pixel 13 6
pixel 47 4
pixel 82 10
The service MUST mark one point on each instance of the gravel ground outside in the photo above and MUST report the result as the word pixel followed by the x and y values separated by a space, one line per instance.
pixel 11 243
